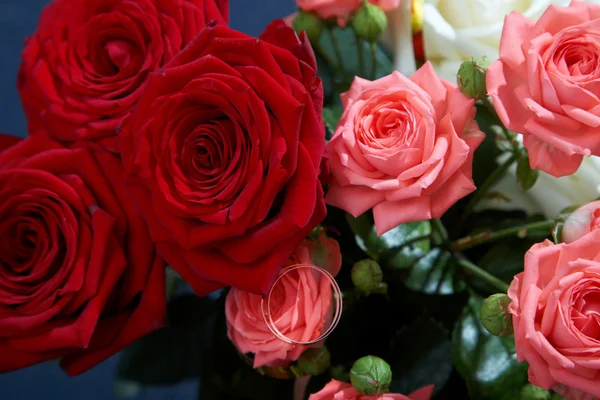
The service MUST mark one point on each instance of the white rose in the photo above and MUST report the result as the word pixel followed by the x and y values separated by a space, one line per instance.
pixel 549 195
pixel 456 30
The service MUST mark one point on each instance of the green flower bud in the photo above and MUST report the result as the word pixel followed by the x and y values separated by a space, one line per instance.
pixel 367 276
pixel 314 361
pixel 471 77
pixel 532 392
pixel 369 22
pixel 371 376
pixel 309 23
pixel 494 315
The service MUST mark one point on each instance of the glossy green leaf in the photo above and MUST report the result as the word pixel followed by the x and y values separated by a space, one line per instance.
pixel 420 355
pixel 506 258
pixel 380 246
pixel 487 363
pixel 333 82
pixel 435 273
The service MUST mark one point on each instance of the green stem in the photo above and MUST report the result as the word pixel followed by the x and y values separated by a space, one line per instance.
pixel 509 137
pixel 485 187
pixel 361 57
pixel 490 106
pixel 489 236
pixel 482 274
pixel 373 47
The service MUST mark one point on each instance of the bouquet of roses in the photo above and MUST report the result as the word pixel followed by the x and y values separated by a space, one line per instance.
pixel 374 200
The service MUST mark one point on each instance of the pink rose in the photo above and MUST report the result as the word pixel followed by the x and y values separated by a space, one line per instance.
pixel 336 390
pixel 556 315
pixel 545 85
pixel 301 307
pixel 581 222
pixel 404 147
pixel 341 9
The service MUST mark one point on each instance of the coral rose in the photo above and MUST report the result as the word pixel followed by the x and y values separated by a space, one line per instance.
pixel 86 64
pixel 546 84
pixel 336 390
pixel 79 278
pixel 223 155
pixel 581 222
pixel 301 307
pixel 404 147
pixel 341 9
pixel 555 307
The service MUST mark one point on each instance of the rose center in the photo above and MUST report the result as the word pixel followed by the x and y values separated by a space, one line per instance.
pixel 119 53
pixel 386 124
pixel 586 310
pixel 578 57
pixel 31 243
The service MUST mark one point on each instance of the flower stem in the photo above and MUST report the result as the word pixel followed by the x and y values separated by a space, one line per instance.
pixel 489 236
pixel 373 60
pixel 361 57
pixel 485 187
pixel 490 106
pixel 482 274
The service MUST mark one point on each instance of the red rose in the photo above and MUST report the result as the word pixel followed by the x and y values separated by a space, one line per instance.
pixel 79 278
pixel 86 64
pixel 223 154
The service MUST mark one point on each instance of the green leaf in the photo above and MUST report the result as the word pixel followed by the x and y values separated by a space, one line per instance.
pixel 406 250
pixel 420 355
pixel 331 117
pixel 333 83
pixel 380 246
pixel 487 363
pixel 435 273
pixel 506 258
pixel 171 354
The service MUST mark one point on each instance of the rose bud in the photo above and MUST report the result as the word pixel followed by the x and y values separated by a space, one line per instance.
pixel 494 315
pixel 369 22
pixel 314 361
pixel 367 276
pixel 309 23
pixel 471 77
pixel 371 375
pixel 336 390
pixel 301 288
pixel 532 392
pixel 581 222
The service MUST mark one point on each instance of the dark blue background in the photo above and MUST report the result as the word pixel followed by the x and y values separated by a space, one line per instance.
pixel 17 20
